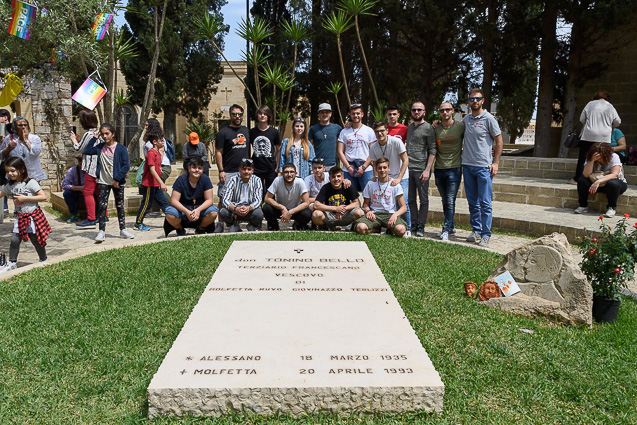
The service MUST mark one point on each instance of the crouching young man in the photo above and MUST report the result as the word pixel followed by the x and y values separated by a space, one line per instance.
pixel 242 199
pixel 336 205
pixel 287 199
pixel 191 203
pixel 383 204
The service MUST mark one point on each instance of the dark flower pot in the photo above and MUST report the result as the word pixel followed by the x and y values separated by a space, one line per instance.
pixel 605 309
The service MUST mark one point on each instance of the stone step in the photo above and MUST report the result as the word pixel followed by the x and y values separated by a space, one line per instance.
pixel 549 193
pixel 531 220
pixel 550 168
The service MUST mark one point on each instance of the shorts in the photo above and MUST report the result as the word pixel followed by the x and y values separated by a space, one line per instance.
pixel 173 211
pixel 346 219
pixel 381 221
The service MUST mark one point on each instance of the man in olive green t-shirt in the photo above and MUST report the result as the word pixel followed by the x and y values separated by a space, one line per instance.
pixel 448 165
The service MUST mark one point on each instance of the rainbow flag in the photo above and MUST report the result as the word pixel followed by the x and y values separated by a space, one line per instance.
pixel 22 17
pixel 89 94
pixel 100 25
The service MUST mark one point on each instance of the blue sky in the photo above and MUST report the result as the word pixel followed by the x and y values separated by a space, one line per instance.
pixel 232 14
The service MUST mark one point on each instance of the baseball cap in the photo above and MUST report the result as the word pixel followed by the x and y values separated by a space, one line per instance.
pixel 194 138
pixel 324 107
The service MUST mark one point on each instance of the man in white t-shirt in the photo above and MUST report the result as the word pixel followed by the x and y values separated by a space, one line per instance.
pixel 383 204
pixel 287 199
pixel 315 181
pixel 353 149
pixel 394 150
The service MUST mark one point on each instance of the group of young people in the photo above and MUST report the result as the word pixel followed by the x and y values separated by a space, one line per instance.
pixel 390 164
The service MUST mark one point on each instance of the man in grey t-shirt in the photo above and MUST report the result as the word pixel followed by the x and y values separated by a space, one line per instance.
pixel 287 198
pixel 481 135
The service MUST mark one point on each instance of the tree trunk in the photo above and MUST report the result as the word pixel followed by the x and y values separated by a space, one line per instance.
pixel 110 79
pixel 545 96
pixel 340 57
pixel 488 58
pixel 367 71
pixel 569 122
pixel 150 85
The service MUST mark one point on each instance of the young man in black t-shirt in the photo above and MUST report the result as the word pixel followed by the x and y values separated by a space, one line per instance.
pixel 232 144
pixel 266 144
pixel 335 205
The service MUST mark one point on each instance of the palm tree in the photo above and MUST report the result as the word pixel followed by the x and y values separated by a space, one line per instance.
pixel 337 23
pixel 275 76
pixel 297 32
pixel 255 32
pixel 334 87
pixel 207 28
pixel 356 8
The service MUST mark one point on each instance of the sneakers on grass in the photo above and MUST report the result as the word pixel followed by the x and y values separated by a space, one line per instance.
pixel 444 236
pixel 474 237
pixel 610 213
pixel 581 210
pixel 407 234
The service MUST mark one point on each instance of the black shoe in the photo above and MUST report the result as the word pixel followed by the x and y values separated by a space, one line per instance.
pixel 199 231
pixel 181 231
pixel 274 228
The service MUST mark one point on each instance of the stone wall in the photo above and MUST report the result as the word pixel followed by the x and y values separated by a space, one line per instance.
pixel 51 103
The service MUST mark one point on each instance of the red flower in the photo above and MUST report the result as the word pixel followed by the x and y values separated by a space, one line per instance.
pixel 594 239
pixel 635 225
pixel 600 217
pixel 617 270
pixel 592 251
pixel 627 215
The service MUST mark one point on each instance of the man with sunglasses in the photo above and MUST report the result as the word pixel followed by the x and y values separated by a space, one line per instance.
pixel 448 165
pixel 242 199
pixel 481 133
pixel 421 151
pixel 394 128
pixel 324 136
pixel 232 144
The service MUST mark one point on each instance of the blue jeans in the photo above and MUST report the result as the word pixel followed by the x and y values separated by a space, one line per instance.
pixel 448 182
pixel 404 183
pixel 479 190
pixel 70 198
pixel 359 183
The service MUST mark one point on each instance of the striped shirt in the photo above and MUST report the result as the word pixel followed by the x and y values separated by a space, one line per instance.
pixel 232 194
pixel 89 162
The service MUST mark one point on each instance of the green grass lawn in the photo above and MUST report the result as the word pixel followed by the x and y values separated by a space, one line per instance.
pixel 81 340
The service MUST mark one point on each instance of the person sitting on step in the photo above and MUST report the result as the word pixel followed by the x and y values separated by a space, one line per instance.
pixel 242 199
pixel 191 202
pixel 73 187
pixel 603 172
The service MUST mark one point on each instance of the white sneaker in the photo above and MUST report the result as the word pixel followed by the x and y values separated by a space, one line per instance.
pixel 581 210
pixel 484 242
pixel 450 233
pixel 473 237
pixel 126 234
pixel 407 234
pixel 11 265
pixel 444 236
pixel 251 228
pixel 101 236
pixel 610 213
pixel 234 228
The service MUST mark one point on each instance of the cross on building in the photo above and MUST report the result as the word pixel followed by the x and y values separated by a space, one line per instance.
pixel 226 91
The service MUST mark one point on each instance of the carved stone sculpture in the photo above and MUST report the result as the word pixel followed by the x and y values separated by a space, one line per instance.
pixel 470 289
pixel 488 290
pixel 550 281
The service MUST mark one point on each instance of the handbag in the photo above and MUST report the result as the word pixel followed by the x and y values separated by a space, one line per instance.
pixel 573 139
pixel 596 175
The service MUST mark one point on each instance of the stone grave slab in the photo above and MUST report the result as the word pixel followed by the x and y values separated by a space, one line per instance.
pixel 296 327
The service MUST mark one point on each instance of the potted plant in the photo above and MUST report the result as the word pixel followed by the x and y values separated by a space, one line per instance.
pixel 609 263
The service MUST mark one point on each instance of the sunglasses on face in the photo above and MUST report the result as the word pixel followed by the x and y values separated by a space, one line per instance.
pixel 236 114
pixel 384 130
pixel 417 110
pixel 299 119
pixel 445 110
pixel 475 99
pixel 247 161
pixel 318 161
pixel 355 105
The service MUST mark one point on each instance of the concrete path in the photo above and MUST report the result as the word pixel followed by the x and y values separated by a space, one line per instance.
pixel 68 241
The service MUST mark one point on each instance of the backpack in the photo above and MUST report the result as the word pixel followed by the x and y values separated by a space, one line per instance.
pixel 170 150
